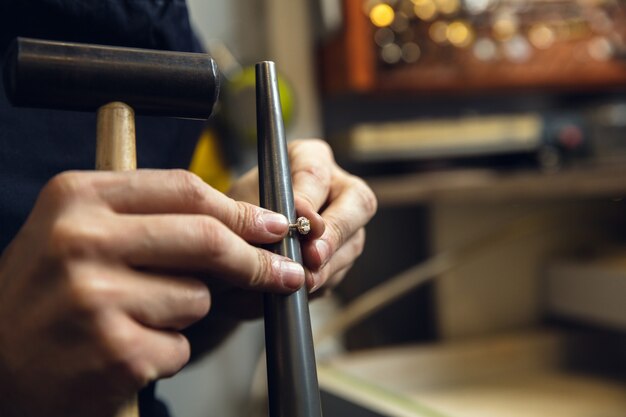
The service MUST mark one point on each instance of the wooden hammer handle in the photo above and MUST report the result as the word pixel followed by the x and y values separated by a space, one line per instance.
pixel 116 151
pixel 115 138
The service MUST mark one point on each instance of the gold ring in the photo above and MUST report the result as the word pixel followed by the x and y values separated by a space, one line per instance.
pixel 302 225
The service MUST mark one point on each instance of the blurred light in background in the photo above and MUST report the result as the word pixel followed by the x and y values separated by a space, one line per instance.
pixel 448 6
pixel 411 52
pixel 541 36
pixel 485 50
pixel 425 9
pixel 391 53
pixel 460 34
pixel 384 36
pixel 517 49
pixel 382 15
pixel 438 32
pixel 505 26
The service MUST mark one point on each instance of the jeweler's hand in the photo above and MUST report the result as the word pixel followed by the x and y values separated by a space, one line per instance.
pixel 101 279
pixel 344 203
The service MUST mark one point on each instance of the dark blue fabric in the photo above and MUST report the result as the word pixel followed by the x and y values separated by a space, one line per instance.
pixel 149 406
pixel 37 144
pixel 158 24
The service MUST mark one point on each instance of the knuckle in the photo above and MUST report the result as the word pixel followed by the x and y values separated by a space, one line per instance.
pixel 118 342
pixel 242 216
pixel 320 143
pixel 180 353
pixel 139 371
pixel 197 298
pixel 192 188
pixel 63 186
pixel 338 230
pixel 318 173
pixel 212 235
pixel 87 291
pixel 358 242
pixel 130 362
pixel 315 181
pixel 123 351
pixel 73 239
pixel 296 143
pixel 263 270
pixel 319 146
pixel 325 146
pixel 115 337
pixel 369 202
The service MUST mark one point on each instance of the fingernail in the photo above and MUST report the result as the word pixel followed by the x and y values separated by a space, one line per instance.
pixel 317 282
pixel 291 274
pixel 275 223
pixel 323 250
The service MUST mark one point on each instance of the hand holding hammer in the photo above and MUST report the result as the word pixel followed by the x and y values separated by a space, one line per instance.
pixel 99 282
pixel 101 279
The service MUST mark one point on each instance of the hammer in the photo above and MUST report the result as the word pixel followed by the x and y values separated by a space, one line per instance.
pixel 116 83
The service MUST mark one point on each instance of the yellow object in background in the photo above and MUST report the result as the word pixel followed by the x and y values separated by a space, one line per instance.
pixel 215 160
pixel 382 15
pixel 209 164
pixel 239 100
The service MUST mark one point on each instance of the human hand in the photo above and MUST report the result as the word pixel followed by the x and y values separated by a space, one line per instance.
pixel 337 203
pixel 101 279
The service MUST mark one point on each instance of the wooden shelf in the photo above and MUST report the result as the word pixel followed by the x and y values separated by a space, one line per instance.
pixel 516 375
pixel 491 186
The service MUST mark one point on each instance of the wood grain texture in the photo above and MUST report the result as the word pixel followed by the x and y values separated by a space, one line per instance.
pixel 116 151
pixel 115 138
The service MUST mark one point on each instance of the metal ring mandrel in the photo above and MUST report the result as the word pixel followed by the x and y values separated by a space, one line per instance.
pixel 293 390
pixel 302 226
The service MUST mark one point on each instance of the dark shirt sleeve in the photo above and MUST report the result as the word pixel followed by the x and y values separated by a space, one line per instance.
pixel 149 406
pixel 36 144
pixel 155 24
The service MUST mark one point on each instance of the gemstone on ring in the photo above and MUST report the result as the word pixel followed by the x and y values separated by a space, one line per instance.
pixel 302 225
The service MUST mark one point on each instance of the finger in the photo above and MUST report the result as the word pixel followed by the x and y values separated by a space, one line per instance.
pixel 318 226
pixel 148 354
pixel 150 191
pixel 177 191
pixel 246 188
pixel 136 352
pixel 327 289
pixel 311 171
pixel 204 244
pixel 354 206
pixel 162 301
pixel 181 192
pixel 165 353
pixel 342 259
pixel 335 279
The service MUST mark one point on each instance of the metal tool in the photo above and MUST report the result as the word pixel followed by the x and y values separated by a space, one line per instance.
pixel 73 76
pixel 291 371
pixel 117 83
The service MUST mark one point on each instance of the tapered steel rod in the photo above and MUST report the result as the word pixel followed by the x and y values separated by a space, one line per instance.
pixel 291 373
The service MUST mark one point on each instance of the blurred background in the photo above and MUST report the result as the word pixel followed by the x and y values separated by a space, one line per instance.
pixel 493 132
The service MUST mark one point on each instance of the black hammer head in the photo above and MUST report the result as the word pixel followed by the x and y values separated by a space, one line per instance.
pixel 83 77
